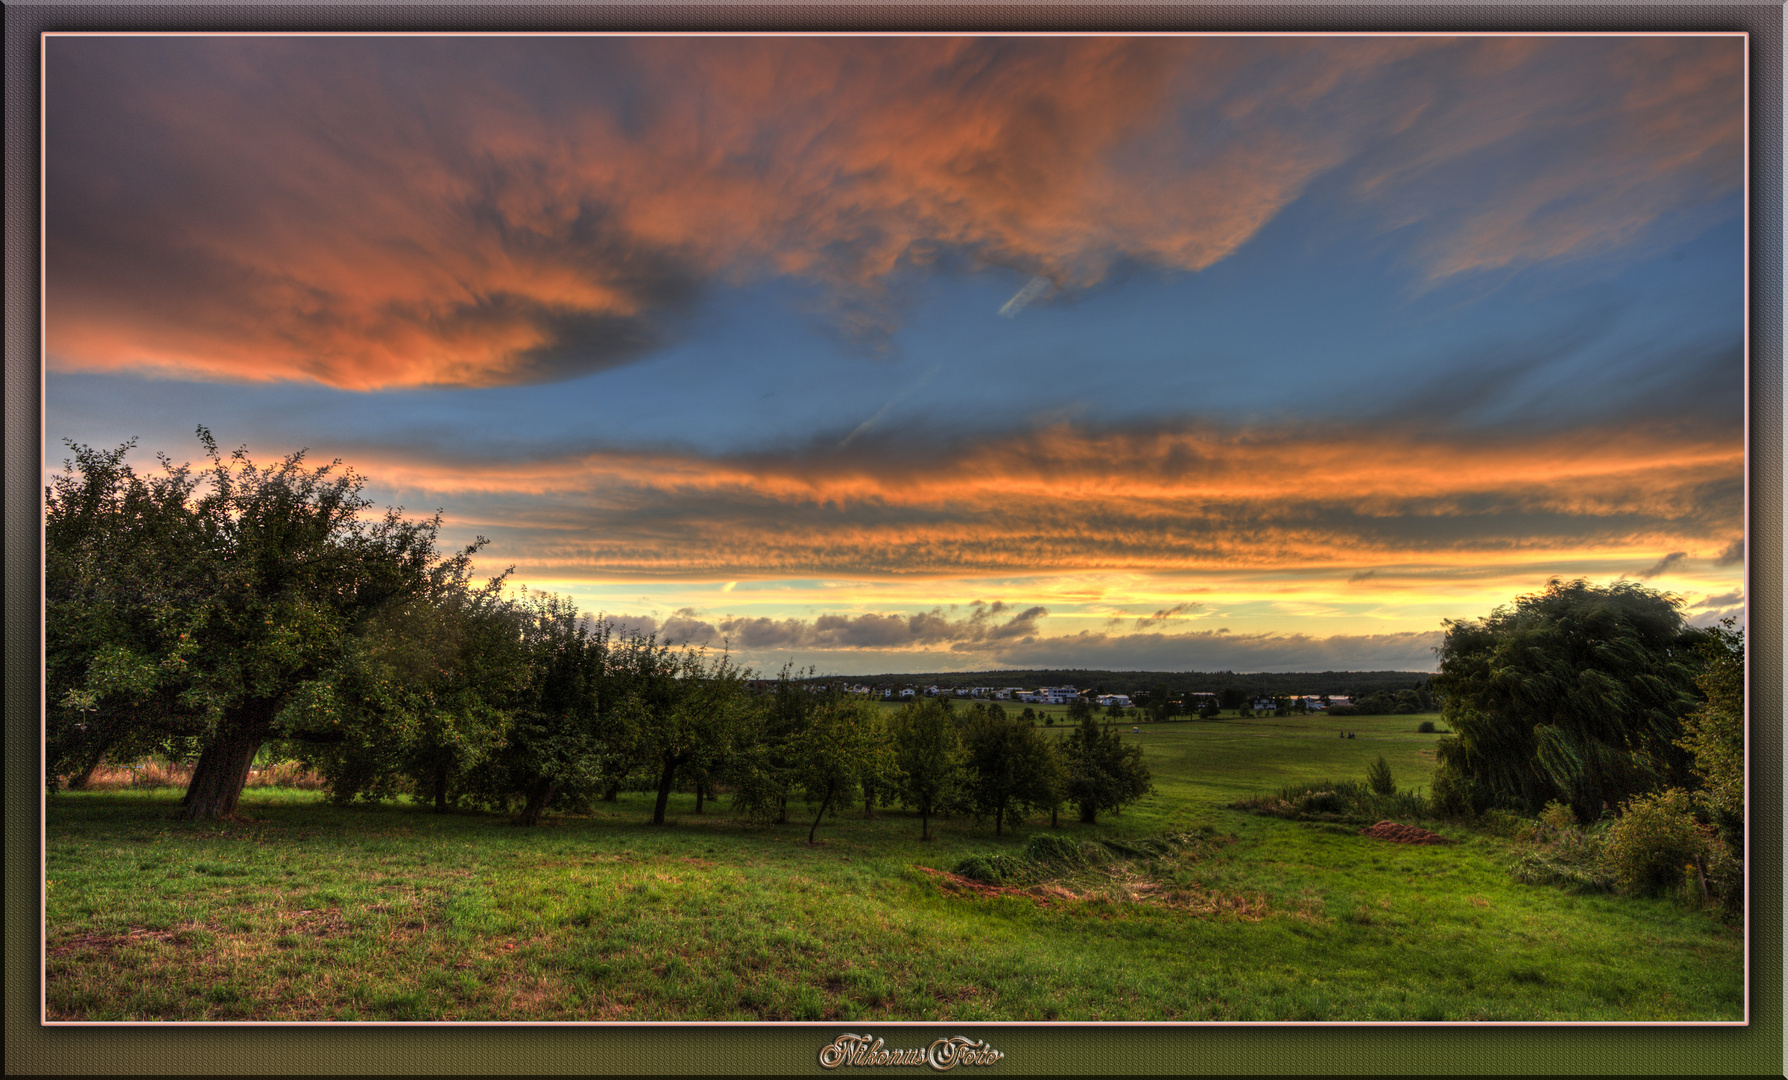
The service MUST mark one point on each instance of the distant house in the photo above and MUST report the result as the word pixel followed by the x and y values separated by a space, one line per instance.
pixel 1122 701
pixel 907 692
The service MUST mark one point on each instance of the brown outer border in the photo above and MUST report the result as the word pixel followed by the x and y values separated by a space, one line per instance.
pixel 32 1048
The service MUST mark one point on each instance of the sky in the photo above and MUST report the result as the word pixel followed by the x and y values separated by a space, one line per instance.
pixel 899 354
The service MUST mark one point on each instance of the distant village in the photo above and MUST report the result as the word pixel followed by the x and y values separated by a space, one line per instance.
pixel 1181 704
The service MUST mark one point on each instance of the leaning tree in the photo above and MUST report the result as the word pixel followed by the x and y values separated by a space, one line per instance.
pixel 1575 693
pixel 208 610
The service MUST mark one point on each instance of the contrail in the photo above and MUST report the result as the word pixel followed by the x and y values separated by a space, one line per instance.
pixel 893 401
pixel 1023 298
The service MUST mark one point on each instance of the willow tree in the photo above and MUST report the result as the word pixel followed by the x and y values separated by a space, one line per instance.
pixel 1576 693
pixel 193 609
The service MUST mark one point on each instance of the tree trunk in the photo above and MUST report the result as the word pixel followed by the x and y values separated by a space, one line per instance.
pixel 80 780
pixel 537 800
pixel 1088 813
pixel 924 822
pixel 665 781
pixel 222 770
pixel 868 802
pixel 825 802
pixel 1055 816
pixel 612 793
pixel 441 787
pixel 700 791
pixel 999 817
pixel 782 810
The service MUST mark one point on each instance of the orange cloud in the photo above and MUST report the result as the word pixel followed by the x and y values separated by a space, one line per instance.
pixel 373 213
pixel 1070 499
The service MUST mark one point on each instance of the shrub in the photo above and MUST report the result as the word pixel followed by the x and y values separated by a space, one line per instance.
pixel 1454 794
pixel 1378 777
pixel 1652 842
pixel 1426 727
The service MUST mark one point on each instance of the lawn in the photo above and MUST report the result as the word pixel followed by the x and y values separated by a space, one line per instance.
pixel 306 911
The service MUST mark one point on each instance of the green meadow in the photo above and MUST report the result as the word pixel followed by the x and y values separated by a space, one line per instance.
pixel 306 911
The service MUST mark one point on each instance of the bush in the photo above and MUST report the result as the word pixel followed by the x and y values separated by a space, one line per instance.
pixel 1378 777
pixel 1336 800
pixel 1454 794
pixel 1426 727
pixel 1652 842
pixel 1561 852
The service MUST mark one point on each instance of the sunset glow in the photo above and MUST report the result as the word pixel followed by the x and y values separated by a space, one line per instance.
pixel 925 353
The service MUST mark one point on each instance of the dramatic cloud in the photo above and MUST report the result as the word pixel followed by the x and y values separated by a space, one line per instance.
pixel 861 642
pixel 1162 616
pixel 870 631
pixel 1075 499
pixel 1212 650
pixel 387 212
pixel 1732 553
pixel 1663 564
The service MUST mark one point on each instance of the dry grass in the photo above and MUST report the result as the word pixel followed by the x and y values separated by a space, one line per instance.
pixel 152 773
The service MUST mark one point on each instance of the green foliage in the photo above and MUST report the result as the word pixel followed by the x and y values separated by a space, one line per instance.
pixel 1378 777
pixel 214 611
pixel 929 760
pixel 1337 800
pixel 1103 773
pixel 1714 735
pixel 1560 852
pixel 764 771
pixel 1576 693
pixel 843 746
pixel 1653 842
pixel 1426 727
pixel 1011 769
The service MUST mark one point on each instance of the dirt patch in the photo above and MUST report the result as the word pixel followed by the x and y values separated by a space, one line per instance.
pixel 1403 834
pixel 111 941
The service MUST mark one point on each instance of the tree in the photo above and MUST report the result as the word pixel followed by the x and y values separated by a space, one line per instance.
pixel 426 693
pixel 1010 766
pixel 1102 772
pixel 1378 777
pixel 187 610
pixel 766 764
pixel 928 757
pixel 1714 735
pixel 838 750
pixel 577 721
pixel 1161 707
pixel 694 709
pixel 1576 693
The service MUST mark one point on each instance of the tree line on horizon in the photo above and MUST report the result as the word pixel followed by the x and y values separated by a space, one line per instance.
pixel 220 613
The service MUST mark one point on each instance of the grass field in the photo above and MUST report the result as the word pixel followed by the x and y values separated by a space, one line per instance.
pixel 306 911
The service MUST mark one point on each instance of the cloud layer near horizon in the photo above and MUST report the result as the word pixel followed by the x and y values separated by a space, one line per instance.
pixel 857 643
pixel 379 213
pixel 1065 498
